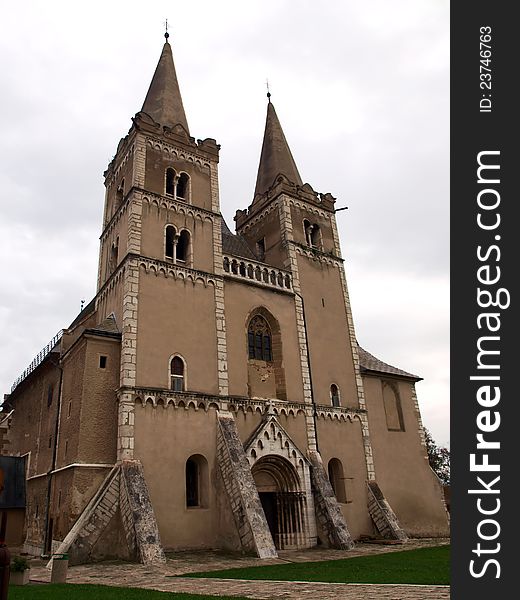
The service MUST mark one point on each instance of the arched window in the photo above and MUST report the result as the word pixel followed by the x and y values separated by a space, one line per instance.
pixel 169 241
pixel 114 256
pixel 393 409
pixel 307 229
pixel 197 481
pixel 183 246
pixel 177 374
pixel 315 236
pixel 259 339
pixel 334 395
pixel 312 234
pixel 182 187
pixel 337 479
pixel 170 181
pixel 120 192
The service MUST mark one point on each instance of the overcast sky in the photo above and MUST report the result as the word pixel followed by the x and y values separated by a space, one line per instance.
pixel 361 89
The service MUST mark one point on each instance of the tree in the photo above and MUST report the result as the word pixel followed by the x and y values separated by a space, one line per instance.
pixel 438 457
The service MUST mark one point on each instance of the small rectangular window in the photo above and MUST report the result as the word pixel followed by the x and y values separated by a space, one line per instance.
pixel 102 362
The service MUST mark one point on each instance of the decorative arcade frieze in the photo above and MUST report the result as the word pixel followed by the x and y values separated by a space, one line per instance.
pixel 165 398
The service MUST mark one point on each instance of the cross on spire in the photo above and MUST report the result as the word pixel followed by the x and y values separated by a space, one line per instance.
pixel 268 92
pixel 166 34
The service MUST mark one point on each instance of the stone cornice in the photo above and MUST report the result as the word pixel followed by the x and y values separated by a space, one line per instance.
pixel 203 152
pixel 163 397
pixel 168 269
pixel 177 205
pixel 315 254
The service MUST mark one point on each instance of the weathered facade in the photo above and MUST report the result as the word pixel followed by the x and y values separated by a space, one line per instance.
pixel 213 393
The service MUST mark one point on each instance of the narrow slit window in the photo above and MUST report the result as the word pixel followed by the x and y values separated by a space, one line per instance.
pixel 102 362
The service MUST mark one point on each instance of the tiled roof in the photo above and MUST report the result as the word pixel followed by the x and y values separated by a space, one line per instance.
pixel 235 244
pixel 370 364
pixel 109 325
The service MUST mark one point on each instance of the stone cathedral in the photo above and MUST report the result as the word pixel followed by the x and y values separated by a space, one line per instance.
pixel 213 393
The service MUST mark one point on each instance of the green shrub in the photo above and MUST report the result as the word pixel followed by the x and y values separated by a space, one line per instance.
pixel 19 564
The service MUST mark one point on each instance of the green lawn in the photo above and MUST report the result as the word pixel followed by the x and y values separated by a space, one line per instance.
pixel 429 566
pixel 98 592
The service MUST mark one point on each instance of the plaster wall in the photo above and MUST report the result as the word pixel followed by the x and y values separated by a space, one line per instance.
pixel 176 318
pixel 240 301
pixel 402 470
pixel 327 331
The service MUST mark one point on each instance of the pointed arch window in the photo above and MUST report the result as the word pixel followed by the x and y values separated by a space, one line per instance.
pixel 177 374
pixel 334 395
pixel 259 339
pixel 182 189
pixel 170 181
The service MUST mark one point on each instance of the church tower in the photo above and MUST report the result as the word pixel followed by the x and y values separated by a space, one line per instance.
pixel 160 247
pixel 294 227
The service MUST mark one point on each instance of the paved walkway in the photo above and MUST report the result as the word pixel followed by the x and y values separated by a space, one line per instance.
pixel 160 577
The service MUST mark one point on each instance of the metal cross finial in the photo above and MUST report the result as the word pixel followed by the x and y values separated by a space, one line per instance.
pixel 166 34
pixel 268 92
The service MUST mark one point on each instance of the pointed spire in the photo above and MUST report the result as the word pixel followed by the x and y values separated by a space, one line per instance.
pixel 163 101
pixel 276 157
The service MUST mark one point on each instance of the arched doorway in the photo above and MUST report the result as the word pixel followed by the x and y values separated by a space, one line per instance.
pixel 282 499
